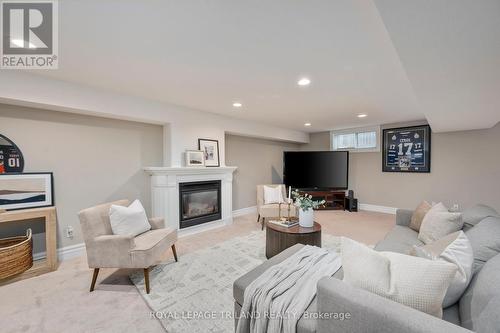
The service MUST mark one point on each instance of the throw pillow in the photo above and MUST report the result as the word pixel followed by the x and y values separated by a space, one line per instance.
pixel 131 220
pixel 456 249
pixel 485 240
pixel 418 215
pixel 273 194
pixel 476 214
pixel 412 281
pixel 439 222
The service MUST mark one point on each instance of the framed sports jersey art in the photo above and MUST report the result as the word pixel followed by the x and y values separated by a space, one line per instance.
pixel 407 149
pixel 11 158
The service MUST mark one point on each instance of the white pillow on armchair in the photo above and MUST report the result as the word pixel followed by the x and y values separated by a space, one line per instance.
pixel 273 194
pixel 131 220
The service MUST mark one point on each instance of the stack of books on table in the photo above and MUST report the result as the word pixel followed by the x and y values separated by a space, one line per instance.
pixel 285 223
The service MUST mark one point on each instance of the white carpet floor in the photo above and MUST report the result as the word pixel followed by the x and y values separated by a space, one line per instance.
pixel 195 295
pixel 60 301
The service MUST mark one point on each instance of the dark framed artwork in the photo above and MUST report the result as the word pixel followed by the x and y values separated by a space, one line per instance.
pixel 26 190
pixel 11 157
pixel 406 149
pixel 210 149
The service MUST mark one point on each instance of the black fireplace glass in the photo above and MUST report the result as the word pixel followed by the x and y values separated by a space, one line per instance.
pixel 199 202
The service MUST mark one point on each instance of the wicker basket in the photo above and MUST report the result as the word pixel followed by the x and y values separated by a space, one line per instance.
pixel 16 255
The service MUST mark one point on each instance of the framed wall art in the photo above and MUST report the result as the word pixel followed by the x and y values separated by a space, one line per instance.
pixel 11 157
pixel 407 149
pixel 194 158
pixel 210 149
pixel 26 190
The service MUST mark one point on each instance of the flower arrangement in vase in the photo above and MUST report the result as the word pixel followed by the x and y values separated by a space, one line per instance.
pixel 305 205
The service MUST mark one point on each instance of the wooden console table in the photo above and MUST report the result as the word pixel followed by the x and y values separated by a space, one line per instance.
pixel 48 264
pixel 333 199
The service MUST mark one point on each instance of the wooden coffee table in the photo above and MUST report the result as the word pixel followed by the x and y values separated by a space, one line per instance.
pixel 279 238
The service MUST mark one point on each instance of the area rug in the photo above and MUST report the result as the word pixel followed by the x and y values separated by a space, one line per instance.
pixel 196 294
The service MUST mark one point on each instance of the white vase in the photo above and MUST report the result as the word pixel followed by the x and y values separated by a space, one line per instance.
pixel 306 218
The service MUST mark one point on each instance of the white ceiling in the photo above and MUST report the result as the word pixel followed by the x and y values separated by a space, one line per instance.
pixel 208 54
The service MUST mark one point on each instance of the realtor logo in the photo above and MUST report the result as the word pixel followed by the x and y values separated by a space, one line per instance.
pixel 29 34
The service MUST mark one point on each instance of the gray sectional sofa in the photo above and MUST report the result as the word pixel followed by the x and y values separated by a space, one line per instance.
pixel 477 310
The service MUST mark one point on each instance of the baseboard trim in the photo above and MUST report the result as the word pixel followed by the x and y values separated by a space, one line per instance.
pixel 245 211
pixel 77 250
pixel 378 209
pixel 64 253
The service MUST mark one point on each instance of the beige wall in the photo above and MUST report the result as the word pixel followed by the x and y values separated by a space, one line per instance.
pixel 317 142
pixel 465 169
pixel 93 159
pixel 258 161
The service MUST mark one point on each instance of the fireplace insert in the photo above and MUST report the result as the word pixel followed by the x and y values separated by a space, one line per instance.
pixel 199 202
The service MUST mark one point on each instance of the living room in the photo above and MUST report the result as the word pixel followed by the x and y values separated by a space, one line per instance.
pixel 324 166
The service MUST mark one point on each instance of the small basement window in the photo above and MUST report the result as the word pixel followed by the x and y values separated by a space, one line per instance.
pixel 366 139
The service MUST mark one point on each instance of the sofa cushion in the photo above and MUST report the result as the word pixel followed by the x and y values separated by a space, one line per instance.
pixel 149 239
pixel 400 239
pixel 306 324
pixel 485 240
pixel 412 281
pixel 482 290
pixel 242 282
pixel 418 215
pixel 152 247
pixel 475 214
pixel 452 314
pixel 489 320
pixel 456 249
pixel 439 222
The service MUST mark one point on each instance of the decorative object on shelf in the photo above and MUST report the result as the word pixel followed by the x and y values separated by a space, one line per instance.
pixel 11 157
pixel 26 190
pixel 16 255
pixel 407 149
pixel 194 158
pixel 210 149
pixel 306 204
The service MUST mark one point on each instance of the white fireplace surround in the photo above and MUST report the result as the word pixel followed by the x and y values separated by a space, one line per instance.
pixel 165 194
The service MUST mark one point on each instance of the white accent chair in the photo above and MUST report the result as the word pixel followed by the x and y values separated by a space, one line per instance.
pixel 271 210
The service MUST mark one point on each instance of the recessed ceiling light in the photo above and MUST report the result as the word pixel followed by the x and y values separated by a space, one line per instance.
pixel 307 124
pixel 304 82
pixel 362 115
pixel 237 104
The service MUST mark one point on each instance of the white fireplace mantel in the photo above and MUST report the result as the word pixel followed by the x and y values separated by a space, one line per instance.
pixel 165 193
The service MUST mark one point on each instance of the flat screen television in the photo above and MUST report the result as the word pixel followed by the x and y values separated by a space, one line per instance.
pixel 316 169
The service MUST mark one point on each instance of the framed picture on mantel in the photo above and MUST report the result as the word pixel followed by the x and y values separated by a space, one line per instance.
pixel 407 149
pixel 210 149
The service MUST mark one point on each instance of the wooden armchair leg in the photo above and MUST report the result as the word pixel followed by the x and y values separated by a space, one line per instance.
pixel 258 218
pixel 146 279
pixel 175 252
pixel 263 222
pixel 94 279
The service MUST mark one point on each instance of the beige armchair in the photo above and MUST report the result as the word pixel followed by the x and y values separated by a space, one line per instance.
pixel 271 210
pixel 106 250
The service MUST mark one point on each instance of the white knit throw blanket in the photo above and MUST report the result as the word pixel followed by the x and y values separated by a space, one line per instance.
pixel 275 301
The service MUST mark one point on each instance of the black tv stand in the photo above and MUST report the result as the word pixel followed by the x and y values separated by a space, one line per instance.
pixel 335 199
